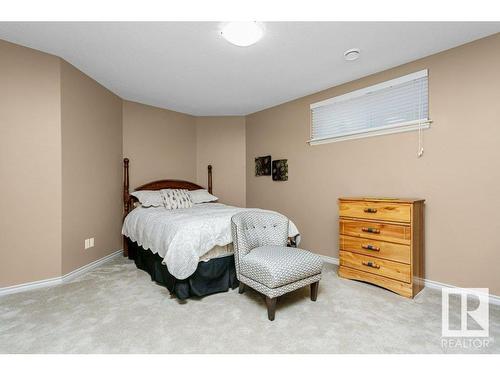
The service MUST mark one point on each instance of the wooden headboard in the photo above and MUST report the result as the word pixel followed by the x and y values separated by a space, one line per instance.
pixel 128 200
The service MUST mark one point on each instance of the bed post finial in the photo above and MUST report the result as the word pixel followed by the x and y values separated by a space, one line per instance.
pixel 210 178
pixel 126 201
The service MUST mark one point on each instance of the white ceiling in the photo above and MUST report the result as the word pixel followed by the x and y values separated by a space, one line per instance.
pixel 188 67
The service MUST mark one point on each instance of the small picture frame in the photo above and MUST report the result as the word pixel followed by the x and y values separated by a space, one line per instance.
pixel 280 170
pixel 263 166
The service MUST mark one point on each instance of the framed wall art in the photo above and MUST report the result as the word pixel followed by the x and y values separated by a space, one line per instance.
pixel 263 166
pixel 280 170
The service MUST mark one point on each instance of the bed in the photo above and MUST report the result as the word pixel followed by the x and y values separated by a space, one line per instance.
pixel 187 250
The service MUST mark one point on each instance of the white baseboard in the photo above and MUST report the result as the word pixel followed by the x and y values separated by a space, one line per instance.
pixel 494 299
pixel 29 286
pixel 330 260
pixel 96 263
pixel 58 280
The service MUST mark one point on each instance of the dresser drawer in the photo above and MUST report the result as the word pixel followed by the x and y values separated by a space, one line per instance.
pixel 377 231
pixel 379 249
pixel 377 266
pixel 376 210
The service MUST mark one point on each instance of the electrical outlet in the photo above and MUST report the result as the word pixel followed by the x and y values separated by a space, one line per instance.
pixel 87 244
pixel 91 242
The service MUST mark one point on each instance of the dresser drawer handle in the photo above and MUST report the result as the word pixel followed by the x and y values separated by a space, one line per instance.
pixel 371 264
pixel 370 247
pixel 370 210
pixel 371 230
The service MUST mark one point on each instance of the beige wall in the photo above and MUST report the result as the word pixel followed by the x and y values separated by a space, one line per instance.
pixel 159 143
pixel 221 142
pixel 60 166
pixel 167 144
pixel 30 165
pixel 91 168
pixel 458 175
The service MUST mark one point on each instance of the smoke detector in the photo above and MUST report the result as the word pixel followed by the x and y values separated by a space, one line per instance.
pixel 352 54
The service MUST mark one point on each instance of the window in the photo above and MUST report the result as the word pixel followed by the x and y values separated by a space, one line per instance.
pixel 394 106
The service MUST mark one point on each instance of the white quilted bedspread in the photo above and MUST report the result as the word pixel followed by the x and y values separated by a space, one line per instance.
pixel 182 236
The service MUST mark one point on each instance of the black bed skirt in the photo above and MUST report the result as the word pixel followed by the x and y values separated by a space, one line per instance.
pixel 215 276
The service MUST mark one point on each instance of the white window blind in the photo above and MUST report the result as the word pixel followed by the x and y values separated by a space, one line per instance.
pixel 398 105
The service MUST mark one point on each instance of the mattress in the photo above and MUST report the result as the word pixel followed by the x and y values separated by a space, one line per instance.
pixel 217 252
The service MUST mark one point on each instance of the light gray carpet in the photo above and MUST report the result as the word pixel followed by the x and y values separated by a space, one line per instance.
pixel 117 309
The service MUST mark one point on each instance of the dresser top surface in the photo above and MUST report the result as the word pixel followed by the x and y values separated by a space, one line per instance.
pixel 382 199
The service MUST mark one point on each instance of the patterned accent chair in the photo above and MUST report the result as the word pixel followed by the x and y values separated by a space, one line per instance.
pixel 264 263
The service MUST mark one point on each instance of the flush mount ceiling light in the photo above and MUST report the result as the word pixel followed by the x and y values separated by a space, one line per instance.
pixel 352 54
pixel 242 34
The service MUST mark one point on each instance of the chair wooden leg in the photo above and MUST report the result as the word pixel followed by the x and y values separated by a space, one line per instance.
pixel 271 307
pixel 314 291
pixel 241 288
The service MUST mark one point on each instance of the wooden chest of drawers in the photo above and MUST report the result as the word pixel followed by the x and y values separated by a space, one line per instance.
pixel 381 241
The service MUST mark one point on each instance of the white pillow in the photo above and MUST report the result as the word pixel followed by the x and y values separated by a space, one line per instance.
pixel 174 199
pixel 202 196
pixel 149 198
